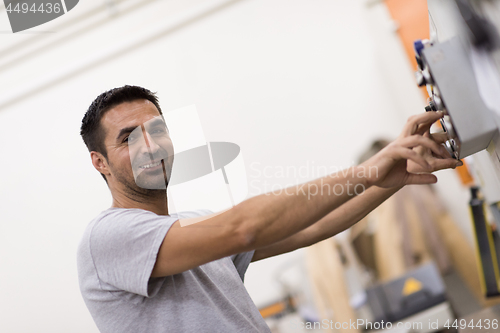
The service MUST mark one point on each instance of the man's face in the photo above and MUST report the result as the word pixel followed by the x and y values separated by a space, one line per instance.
pixel 140 152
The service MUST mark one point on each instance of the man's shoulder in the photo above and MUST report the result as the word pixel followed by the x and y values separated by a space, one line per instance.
pixel 116 228
pixel 123 213
pixel 114 213
pixel 119 218
pixel 192 213
pixel 114 223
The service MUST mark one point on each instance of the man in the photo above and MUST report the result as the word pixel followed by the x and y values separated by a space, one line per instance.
pixel 140 270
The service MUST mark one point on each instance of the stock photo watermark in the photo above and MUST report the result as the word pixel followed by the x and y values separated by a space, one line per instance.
pixel 26 14
pixel 263 179
pixel 429 325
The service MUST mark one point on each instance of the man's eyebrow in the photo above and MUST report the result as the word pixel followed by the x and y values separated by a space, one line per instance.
pixel 157 122
pixel 125 130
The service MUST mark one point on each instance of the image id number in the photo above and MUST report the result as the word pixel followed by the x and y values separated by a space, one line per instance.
pixel 35 8
pixel 479 324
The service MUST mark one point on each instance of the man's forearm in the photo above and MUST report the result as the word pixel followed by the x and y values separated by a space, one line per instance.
pixel 350 213
pixel 272 217
pixel 336 221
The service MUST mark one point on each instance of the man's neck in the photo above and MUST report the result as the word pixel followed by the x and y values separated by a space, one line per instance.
pixel 156 203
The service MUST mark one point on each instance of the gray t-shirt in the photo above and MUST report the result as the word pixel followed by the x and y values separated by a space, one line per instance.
pixel 115 259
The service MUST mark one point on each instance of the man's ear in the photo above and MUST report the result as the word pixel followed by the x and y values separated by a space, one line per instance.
pixel 100 163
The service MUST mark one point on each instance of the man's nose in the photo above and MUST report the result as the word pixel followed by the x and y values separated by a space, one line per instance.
pixel 151 144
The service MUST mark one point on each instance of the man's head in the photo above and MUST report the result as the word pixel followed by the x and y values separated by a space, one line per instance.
pixel 125 132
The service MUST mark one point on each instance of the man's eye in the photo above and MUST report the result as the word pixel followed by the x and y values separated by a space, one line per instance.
pixel 158 131
pixel 129 138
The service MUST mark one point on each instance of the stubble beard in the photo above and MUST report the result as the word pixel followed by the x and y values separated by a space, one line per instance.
pixel 135 192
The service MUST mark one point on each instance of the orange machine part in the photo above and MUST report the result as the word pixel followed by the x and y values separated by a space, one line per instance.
pixel 464 174
pixel 413 21
pixel 273 309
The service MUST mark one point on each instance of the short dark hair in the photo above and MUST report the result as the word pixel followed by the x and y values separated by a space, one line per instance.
pixel 91 131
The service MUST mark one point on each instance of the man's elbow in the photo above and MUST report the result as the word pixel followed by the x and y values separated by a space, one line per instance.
pixel 244 231
pixel 247 240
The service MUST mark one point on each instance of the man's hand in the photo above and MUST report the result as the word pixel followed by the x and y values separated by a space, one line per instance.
pixel 412 156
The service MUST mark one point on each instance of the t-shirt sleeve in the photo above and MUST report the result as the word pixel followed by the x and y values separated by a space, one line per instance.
pixel 124 245
pixel 241 262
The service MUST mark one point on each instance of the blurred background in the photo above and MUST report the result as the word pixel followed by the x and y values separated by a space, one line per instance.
pixel 295 83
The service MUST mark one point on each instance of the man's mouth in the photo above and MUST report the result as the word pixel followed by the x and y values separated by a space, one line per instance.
pixel 150 165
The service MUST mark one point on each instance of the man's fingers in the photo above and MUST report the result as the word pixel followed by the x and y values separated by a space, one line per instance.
pixel 420 120
pixel 439 137
pixel 409 154
pixel 418 140
pixel 423 128
pixel 440 164
pixel 425 178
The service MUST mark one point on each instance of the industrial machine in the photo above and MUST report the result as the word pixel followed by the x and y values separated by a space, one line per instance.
pixel 460 67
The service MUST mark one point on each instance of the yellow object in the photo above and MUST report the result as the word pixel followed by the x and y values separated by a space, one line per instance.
pixel 411 286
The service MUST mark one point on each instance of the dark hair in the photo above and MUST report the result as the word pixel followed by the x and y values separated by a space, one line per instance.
pixel 91 131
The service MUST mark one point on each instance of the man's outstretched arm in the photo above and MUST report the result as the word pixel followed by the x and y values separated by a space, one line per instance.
pixel 268 219
pixel 255 223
